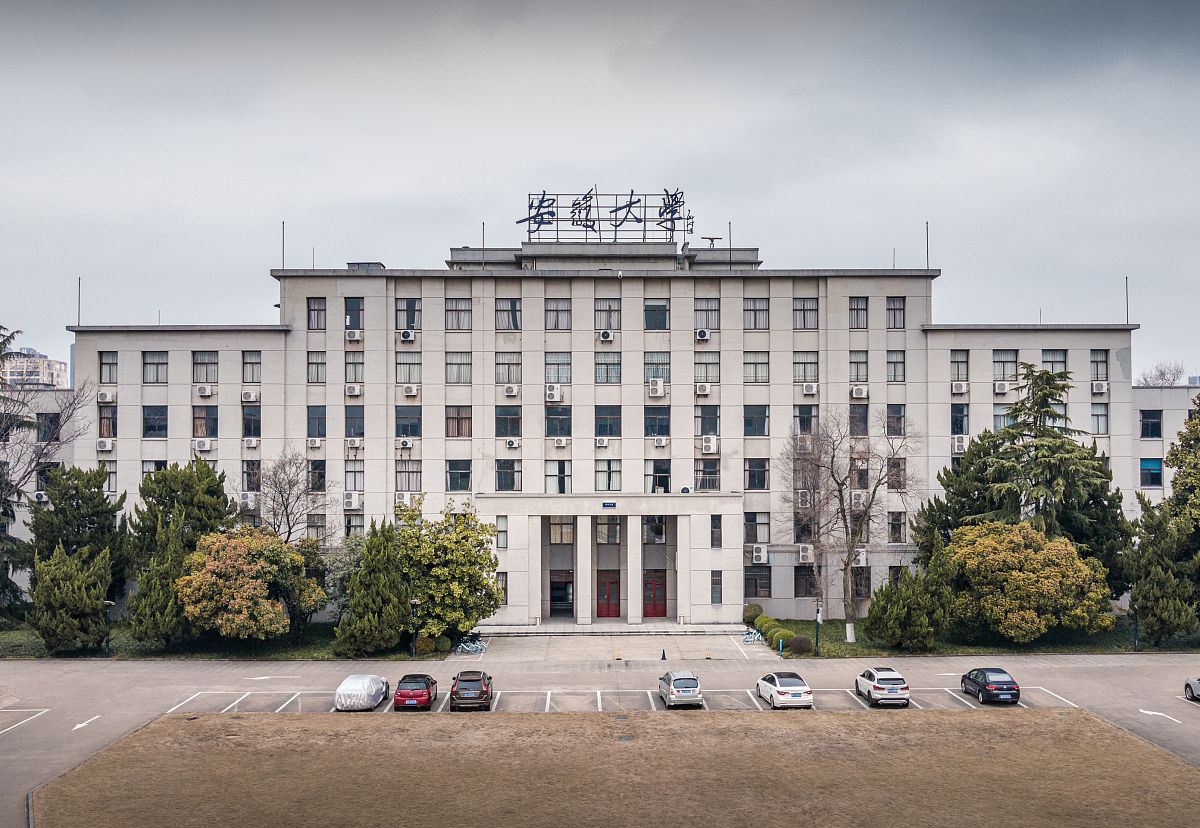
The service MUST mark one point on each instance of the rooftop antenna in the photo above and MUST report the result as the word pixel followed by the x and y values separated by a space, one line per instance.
pixel 79 300
pixel 282 244
pixel 894 259
pixel 314 264
pixel 1126 300
pixel 482 244
pixel 712 241
pixel 927 245
pixel 730 228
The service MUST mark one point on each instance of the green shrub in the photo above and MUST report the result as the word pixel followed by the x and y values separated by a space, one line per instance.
pixel 800 644
pixel 771 629
pixel 761 621
pixel 751 612
pixel 425 645
pixel 777 635
pixel 443 644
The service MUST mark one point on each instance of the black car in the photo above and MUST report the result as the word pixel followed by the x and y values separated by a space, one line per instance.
pixel 991 684
pixel 472 688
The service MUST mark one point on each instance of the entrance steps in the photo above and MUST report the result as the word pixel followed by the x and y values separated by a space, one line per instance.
pixel 606 627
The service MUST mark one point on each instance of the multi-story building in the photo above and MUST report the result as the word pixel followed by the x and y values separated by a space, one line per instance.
pixel 613 407
pixel 1159 414
pixel 32 369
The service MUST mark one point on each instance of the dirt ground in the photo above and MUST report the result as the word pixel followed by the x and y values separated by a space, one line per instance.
pixel 821 768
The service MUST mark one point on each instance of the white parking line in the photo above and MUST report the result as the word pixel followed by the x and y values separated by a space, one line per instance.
pixel 650 696
pixel 854 696
pixel 445 699
pixel 547 701
pixel 913 702
pixel 496 701
pixel 756 704
pixel 704 703
pixel 235 702
pixel 182 703
pixel 39 711
pixel 1060 698
pixel 1156 713
pixel 739 646
pixel 599 704
pixel 958 695
pixel 286 703
pixel 1022 704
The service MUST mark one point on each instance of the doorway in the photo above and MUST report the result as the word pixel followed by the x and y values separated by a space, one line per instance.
pixel 562 592
pixel 654 593
pixel 608 593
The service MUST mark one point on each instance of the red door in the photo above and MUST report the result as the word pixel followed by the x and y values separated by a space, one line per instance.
pixel 608 594
pixel 654 593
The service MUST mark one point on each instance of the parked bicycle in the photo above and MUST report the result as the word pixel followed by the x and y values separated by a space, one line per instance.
pixel 753 636
pixel 471 644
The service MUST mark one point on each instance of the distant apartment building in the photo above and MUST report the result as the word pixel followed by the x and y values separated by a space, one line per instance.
pixel 33 369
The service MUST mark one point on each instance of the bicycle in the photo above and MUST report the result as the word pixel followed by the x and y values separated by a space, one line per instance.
pixel 471 646
pixel 753 636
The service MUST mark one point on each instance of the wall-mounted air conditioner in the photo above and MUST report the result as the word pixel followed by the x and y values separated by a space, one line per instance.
pixel 354 390
pixel 250 442
pixel 601 442
pixel 204 390
pixel 858 499
pixel 354 442
pixel 1000 388
pixel 562 442
pixel 805 553
pixel 758 554
pixel 859 392
pixel 1099 387
pixel 703 389
pixel 553 392
pixel 607 336
pixel 804 444
pixel 709 445
pixel 352 501
pixel 408 336
pixel 105 444
pixel 959 388
pixel 405 443
pixel 248 499
pixel 410 390
pixel 809 389
pixel 958 443
pixel 106 396
pixel 861 558
pixel 803 499
pixel 512 443
pixel 354 336
pixel 658 388
pixel 203 444
pixel 41 497
pixel 703 334
pixel 314 442
pixel 403 498
pixel 512 390
pixel 662 442
pixel 249 395
pixel 685 490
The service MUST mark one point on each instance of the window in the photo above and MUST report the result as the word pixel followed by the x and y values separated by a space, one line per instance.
pixel 895 420
pixel 658 365
pixel 804 419
pixel 458 367
pixel 895 313
pixel 657 313
pixel 895 366
pixel 458 314
pixel 1099 365
pixel 714 586
pixel 1000 418
pixel 154 421
pixel 654 530
pixel 1151 424
pixel 355 366
pixel 1099 418
pixel 558 314
pixel 860 583
pixel 408 314
pixel 959 418
pixel 804 366
pixel 708 366
pixel 708 474
pixel 858 312
pixel 562 529
pixel 558 366
pixel 316 313
pixel 508 421
pixel 658 420
pixel 608 367
pixel 154 367
pixel 558 477
pixel 755 367
pixel 896 574
pixel 204 420
pixel 558 421
pixel 356 523
pixel 408 367
pixel 356 425
pixel 508 314
pixel 204 366
pixel 151 466
pixel 108 421
pixel 758 581
pixel 251 366
pixel 896 474
pixel 960 365
pixel 804 579
pixel 758 527
pixel 1054 360
pixel 110 486
pixel 802 527
pixel 1152 475
pixel 502 543
pixel 1004 365
pixel 314 526
pixel 316 475
pixel 408 421
pixel 108 367
pixel 48 427
pixel 755 421
pixel 408 475
pixel 804 314
pixel 757 476
pixel 356 478
pixel 608 475
pixel 715 540
pixel 897 521
pixel 1059 418
pixel 458 421
pixel 708 420
pixel 608 421
pixel 608 529
pixel 316 421
pixel 756 314
pixel 608 314
pixel 859 419
pixel 708 314
pixel 354 313
pixel 252 475
pixel 658 476
pixel 458 475
pixel 316 366
pixel 508 475
pixel 508 367
pixel 858 366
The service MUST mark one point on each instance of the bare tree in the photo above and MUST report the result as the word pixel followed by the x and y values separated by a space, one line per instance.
pixel 837 486
pixel 35 427
pixel 288 492
pixel 1164 374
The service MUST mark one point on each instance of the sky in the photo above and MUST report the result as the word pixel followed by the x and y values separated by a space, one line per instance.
pixel 154 148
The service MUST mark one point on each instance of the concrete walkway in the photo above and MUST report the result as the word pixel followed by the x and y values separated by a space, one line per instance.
pixel 564 626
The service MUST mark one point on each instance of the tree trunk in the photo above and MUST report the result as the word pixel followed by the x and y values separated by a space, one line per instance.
pixel 848 597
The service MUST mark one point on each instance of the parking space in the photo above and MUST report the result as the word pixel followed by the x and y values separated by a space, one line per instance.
pixel 731 700
pixel 12 718
pixel 837 698
pixel 627 700
pixel 520 701
pixel 573 701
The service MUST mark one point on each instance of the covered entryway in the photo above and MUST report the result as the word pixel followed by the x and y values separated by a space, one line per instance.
pixel 654 593
pixel 608 593
pixel 562 592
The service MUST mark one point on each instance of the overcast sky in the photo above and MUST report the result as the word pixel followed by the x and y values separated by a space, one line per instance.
pixel 153 148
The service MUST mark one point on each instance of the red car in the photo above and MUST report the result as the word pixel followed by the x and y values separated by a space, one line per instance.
pixel 415 690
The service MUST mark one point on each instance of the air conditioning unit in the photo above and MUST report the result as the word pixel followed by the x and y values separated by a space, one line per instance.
pixel 354 390
pixel 809 389
pixel 685 490
pixel 859 463
pixel 354 336
pixel 403 498
pixel 607 336
pixel 805 553
pixel 861 558
pixel 553 392
pixel 408 336
pixel 703 334
pixel 1099 387
pixel 204 390
pixel 758 554
pixel 562 442
pixel 41 497
pixel 661 442
pixel 804 444
pixel 249 395
pixel 959 387
pixel 858 499
pixel 202 444
pixel 703 389
pixel 512 442
pixel 106 396
pixel 405 443
pixel 314 442
pixel 803 499
pixel 512 390
pixel 248 499
pixel 858 392
pixel 352 501
pixel 601 442
pixel 354 442
pixel 999 388
pixel 709 445
pixel 958 443
pixel 250 442
pixel 104 444
pixel 657 388
pixel 410 390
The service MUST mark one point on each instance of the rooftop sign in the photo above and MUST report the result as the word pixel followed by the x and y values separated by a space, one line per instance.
pixel 605 217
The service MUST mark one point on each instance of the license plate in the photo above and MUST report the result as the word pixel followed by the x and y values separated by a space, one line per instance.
pixel 893 691
pixel 1004 696
pixel 797 695
pixel 468 694
pixel 410 701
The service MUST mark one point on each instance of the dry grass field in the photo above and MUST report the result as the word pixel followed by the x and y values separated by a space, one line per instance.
pixel 1007 767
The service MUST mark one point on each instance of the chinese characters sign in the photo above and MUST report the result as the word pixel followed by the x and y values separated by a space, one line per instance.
pixel 592 216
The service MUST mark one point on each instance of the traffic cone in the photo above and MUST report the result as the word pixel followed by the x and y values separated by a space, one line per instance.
pixel 664 655
pixel 618 655
pixel 708 654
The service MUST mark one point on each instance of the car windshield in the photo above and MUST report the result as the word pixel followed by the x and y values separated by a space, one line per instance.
pixel 785 681
pixel 411 684
pixel 998 677
pixel 686 682
pixel 470 684
pixel 889 680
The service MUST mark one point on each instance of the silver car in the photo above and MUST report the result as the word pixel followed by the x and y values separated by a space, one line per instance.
pixel 678 687
pixel 1191 689
pixel 361 692
pixel 882 685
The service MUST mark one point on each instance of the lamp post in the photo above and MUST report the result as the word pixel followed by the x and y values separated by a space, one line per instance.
pixel 817 643
pixel 108 605
pixel 412 616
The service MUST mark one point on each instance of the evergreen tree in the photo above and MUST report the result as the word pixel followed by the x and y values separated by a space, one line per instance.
pixel 377 606
pixel 68 599
pixel 1160 569
pixel 195 487
pixel 155 611
pixel 1184 457
pixel 911 614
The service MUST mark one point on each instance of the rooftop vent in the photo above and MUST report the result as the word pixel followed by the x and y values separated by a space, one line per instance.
pixel 365 266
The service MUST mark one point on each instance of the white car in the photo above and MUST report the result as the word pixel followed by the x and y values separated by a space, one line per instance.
pixel 882 685
pixel 361 692
pixel 785 690
pixel 1191 689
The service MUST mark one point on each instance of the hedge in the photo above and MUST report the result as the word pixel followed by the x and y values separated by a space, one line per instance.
pixel 751 612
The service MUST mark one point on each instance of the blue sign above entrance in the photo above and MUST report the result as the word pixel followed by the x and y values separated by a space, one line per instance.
pixel 609 504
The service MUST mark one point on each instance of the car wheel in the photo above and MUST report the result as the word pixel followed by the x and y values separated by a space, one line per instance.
pixel 772 701
pixel 964 687
pixel 906 702
pixel 1189 693
pixel 870 699
pixel 982 697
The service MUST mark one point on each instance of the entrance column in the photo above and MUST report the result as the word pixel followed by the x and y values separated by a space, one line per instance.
pixel 683 568
pixel 535 568
pixel 585 593
pixel 633 584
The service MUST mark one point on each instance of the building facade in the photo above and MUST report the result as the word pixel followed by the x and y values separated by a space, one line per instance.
pixel 34 370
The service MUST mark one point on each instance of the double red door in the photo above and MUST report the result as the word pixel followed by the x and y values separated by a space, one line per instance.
pixel 654 593
pixel 608 593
